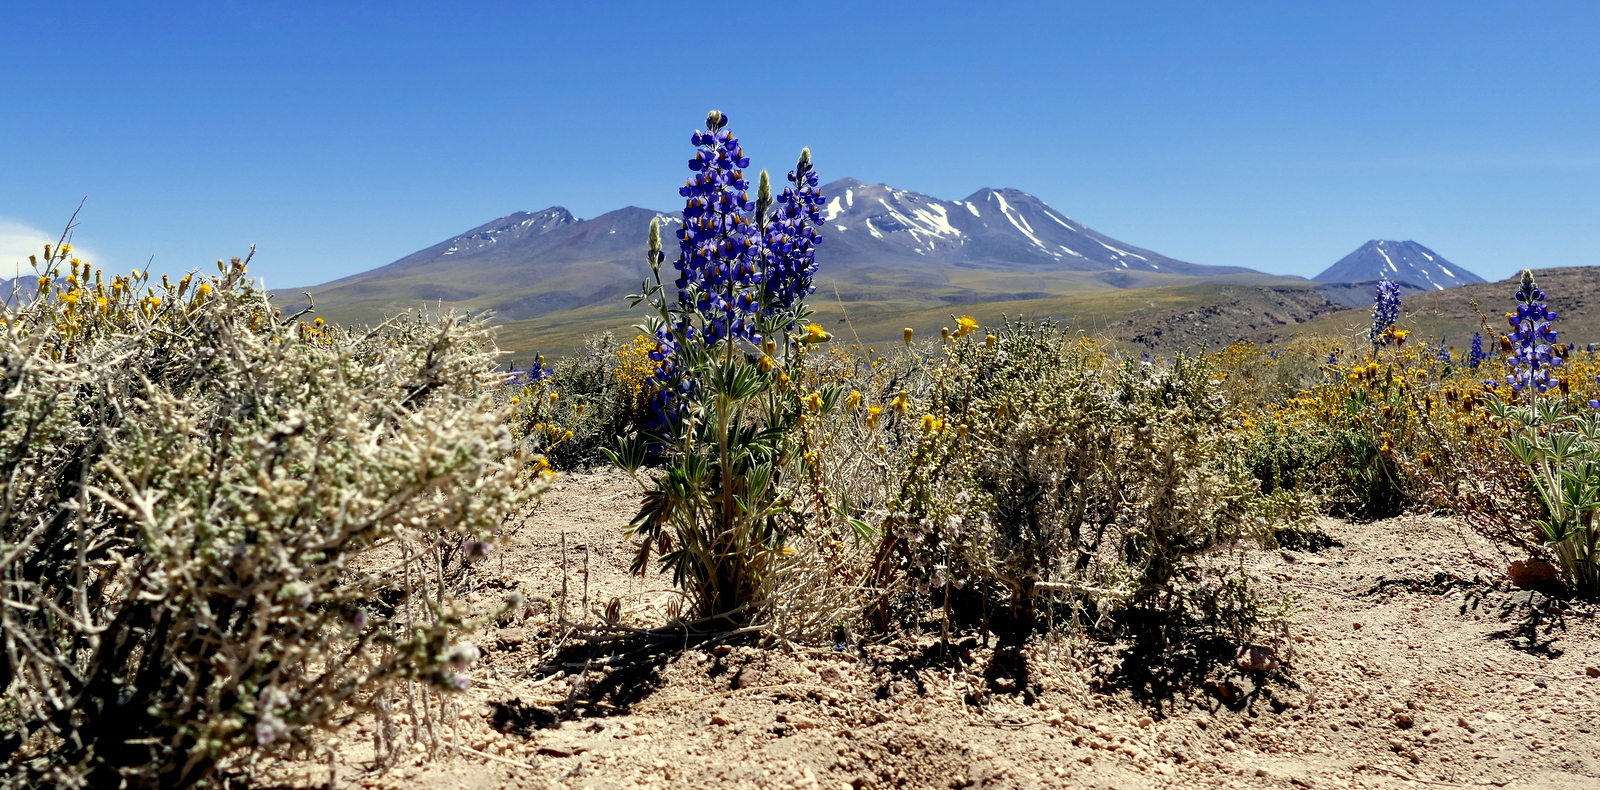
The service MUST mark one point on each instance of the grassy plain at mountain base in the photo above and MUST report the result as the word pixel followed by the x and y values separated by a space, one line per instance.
pixel 1160 319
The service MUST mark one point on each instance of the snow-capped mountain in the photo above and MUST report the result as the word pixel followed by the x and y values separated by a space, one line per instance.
pixel 1404 262
pixel 991 228
pixel 880 243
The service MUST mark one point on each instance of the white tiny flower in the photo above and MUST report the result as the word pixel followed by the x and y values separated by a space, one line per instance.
pixel 462 655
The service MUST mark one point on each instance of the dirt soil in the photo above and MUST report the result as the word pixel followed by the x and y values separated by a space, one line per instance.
pixel 1408 665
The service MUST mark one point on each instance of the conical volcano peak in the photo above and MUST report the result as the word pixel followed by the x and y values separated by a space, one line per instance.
pixel 1404 262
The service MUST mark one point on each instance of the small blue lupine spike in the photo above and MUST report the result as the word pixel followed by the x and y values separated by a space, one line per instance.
pixel 1532 336
pixel 1385 310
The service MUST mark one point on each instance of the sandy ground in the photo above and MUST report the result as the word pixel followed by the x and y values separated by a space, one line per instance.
pixel 1410 666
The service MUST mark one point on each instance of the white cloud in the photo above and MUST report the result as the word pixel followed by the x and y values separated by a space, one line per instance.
pixel 18 240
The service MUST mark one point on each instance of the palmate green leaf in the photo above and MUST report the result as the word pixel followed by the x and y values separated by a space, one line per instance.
pixel 757 478
pixel 630 454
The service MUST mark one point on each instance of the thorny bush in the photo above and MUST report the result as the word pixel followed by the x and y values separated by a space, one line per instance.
pixel 216 520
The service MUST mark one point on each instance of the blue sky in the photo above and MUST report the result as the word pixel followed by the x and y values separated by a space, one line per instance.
pixel 342 136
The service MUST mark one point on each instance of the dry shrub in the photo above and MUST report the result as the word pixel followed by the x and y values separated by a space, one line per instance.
pixel 198 495
pixel 1032 467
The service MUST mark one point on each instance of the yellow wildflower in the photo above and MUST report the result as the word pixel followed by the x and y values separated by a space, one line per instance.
pixel 205 288
pixel 931 423
pixel 908 335
pixel 966 325
pixel 814 401
pixel 515 401
pixel 853 400
pixel 816 334
pixel 989 341
pixel 872 415
pixel 899 402
pixel 766 364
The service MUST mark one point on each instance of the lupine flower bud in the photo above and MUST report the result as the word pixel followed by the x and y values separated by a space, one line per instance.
pixel 655 255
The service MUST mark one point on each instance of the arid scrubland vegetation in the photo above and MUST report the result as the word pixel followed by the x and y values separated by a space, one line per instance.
pixel 231 537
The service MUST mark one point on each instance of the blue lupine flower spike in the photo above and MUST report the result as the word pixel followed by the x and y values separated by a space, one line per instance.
pixel 792 237
pixel 1385 311
pixel 1477 355
pixel 1532 341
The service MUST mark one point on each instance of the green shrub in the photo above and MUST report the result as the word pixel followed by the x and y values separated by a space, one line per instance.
pixel 570 411
pixel 215 519
pixel 1042 465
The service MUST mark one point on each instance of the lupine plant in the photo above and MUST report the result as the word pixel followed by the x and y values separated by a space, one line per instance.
pixel 729 347
pixel 1559 445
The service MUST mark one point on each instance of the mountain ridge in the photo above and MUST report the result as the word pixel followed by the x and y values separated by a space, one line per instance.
pixel 881 245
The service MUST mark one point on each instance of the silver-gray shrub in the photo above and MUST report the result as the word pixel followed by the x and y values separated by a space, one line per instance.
pixel 220 528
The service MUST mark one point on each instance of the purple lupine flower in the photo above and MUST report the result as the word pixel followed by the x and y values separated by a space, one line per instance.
pixel 473 551
pixel 792 237
pixel 1477 355
pixel 1531 339
pixel 666 405
pixel 1333 359
pixel 1385 310
pixel 719 261
pixel 1444 354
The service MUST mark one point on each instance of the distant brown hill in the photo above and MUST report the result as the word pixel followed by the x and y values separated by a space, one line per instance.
pixel 1448 315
